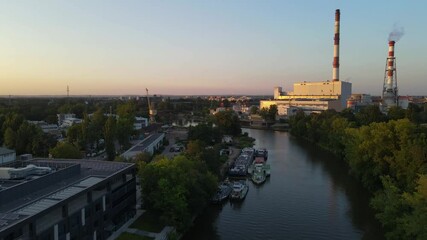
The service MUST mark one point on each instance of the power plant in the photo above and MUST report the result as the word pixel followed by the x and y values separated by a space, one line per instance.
pixel 390 96
pixel 315 96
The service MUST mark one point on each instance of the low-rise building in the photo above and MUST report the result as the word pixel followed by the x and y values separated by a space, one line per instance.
pixel 149 144
pixel 66 199
pixel 7 155
pixel 140 122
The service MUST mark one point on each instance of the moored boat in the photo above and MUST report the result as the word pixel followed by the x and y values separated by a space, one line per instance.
pixel 240 189
pixel 223 192
pixel 259 170
pixel 240 166
pixel 262 152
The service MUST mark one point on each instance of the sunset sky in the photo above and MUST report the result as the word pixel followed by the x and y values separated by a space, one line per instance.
pixel 204 47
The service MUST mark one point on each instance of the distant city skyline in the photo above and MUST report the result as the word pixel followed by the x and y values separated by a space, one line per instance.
pixel 204 47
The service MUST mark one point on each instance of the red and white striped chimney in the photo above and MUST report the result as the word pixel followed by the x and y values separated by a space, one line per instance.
pixel 336 63
pixel 390 65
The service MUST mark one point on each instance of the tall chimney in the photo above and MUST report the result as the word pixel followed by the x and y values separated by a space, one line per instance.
pixel 336 63
pixel 390 92
pixel 390 65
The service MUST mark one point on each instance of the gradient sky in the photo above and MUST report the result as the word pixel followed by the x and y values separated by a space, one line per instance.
pixel 204 47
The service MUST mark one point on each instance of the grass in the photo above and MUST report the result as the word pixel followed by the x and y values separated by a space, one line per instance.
pixel 149 221
pixel 131 236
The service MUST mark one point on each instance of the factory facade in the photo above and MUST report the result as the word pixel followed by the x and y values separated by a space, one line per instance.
pixel 65 199
pixel 310 97
pixel 314 96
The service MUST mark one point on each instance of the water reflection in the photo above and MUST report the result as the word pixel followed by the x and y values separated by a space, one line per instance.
pixel 309 195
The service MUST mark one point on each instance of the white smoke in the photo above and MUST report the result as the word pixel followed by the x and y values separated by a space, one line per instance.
pixel 396 33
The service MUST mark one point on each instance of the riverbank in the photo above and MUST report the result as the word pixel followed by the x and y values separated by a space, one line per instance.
pixel 308 196
pixel 275 127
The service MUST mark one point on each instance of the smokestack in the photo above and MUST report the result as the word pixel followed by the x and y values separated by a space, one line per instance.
pixel 336 62
pixel 390 65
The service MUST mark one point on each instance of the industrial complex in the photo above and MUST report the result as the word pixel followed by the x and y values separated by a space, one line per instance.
pixel 314 96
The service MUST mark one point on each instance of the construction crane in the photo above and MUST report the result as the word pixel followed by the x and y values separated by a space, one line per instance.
pixel 151 111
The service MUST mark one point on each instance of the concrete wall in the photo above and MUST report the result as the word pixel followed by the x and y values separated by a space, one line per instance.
pixel 318 88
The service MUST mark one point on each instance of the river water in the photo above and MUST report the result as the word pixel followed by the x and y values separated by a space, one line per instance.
pixel 309 195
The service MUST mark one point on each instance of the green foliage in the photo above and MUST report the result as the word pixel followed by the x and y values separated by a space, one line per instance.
pixel 131 236
pixel 228 123
pixel 65 150
pixel 149 221
pixel 395 113
pixel 177 188
pixel 370 114
pixel 124 126
pixel 109 137
pixel 206 133
pixel 210 156
pixel 389 158
pixel 269 114
pixel 143 157
pixel 244 141
pixel 253 110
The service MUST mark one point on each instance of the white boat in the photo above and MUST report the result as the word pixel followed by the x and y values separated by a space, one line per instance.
pixel 240 189
pixel 259 170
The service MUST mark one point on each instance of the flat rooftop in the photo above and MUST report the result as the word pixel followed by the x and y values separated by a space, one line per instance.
pixel 69 177
pixel 143 144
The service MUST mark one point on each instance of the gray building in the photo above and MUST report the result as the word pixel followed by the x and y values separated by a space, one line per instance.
pixel 149 144
pixel 7 155
pixel 74 199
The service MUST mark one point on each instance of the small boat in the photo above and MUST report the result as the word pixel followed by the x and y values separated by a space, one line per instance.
pixel 259 170
pixel 224 190
pixel 240 189
pixel 258 174
pixel 262 152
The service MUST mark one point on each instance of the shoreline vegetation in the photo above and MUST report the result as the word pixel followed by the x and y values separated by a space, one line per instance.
pixel 386 153
pixel 179 189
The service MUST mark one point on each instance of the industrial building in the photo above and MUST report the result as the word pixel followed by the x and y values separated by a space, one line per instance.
pixel 65 199
pixel 314 96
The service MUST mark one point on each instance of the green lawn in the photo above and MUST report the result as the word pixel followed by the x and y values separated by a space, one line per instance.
pixel 131 236
pixel 148 221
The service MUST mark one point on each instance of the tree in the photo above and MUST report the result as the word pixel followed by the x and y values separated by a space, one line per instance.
pixel 10 138
pixel 272 112
pixel 228 123
pixel 109 137
pixel 124 127
pixel 75 135
pixel 395 113
pixel 178 188
pixel 143 157
pixel 13 121
pixel 204 132
pixel 370 114
pixel 98 124
pixel 254 110
pixel 65 150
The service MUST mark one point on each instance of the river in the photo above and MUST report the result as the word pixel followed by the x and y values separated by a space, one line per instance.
pixel 310 195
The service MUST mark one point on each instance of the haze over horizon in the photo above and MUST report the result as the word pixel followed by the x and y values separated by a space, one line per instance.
pixel 204 47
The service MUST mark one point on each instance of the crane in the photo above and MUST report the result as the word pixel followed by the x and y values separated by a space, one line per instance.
pixel 151 111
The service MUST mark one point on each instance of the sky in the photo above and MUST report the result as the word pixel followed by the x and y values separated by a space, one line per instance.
pixel 201 47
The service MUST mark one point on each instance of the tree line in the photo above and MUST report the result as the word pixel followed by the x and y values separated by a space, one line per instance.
pixel 178 189
pixel 387 153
